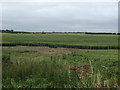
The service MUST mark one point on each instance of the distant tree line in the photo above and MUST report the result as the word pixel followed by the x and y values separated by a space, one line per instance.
pixel 12 31
pixel 7 31
pixel 100 33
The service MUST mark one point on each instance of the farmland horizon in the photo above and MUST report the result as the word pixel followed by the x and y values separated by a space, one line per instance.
pixel 59 45
pixel 50 31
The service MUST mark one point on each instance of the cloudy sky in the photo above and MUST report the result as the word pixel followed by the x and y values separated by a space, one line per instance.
pixel 60 16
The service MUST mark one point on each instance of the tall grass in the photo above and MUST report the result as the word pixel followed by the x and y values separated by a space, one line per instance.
pixel 45 73
pixel 54 72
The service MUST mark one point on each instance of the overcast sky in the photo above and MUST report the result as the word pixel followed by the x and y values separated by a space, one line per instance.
pixel 61 16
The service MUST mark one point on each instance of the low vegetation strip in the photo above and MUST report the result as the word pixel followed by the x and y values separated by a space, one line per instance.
pixel 64 46
pixel 25 68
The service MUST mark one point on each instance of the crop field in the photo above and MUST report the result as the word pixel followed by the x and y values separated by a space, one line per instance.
pixel 28 64
pixel 81 41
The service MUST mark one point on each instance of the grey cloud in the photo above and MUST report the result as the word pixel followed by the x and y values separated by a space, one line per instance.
pixel 61 16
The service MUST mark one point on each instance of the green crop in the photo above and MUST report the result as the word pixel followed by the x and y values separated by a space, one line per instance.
pixel 82 41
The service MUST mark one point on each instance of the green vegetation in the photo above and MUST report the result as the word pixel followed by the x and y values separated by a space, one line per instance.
pixel 26 65
pixel 55 40
pixel 29 68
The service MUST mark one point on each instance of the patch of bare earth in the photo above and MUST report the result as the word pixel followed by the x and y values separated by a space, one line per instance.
pixel 47 50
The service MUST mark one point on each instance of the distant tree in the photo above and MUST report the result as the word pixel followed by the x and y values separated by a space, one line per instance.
pixel 12 30
pixel 43 32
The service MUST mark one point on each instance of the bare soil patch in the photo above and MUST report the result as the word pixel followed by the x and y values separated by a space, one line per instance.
pixel 47 50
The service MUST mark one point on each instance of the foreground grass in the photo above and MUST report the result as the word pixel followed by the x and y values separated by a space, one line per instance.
pixel 76 69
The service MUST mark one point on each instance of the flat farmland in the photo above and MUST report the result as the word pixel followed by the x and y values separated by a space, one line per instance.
pixel 82 41
pixel 28 64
